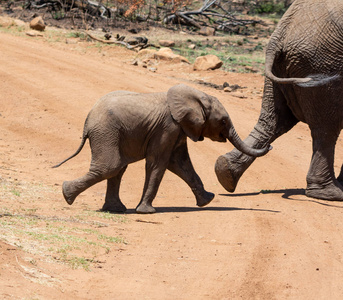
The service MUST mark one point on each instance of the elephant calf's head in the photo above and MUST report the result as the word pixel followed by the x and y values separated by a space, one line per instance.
pixel 201 115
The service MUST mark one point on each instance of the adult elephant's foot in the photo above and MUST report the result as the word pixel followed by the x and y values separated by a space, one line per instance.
pixel 117 207
pixel 144 208
pixel 332 191
pixel 226 172
pixel 204 199
pixel 69 192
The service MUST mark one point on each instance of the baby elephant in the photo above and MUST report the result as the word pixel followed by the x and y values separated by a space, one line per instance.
pixel 124 127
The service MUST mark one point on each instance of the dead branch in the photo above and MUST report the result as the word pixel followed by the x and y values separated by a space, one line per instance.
pixel 220 18
pixel 119 41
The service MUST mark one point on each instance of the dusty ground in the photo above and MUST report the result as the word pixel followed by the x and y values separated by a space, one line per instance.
pixel 265 241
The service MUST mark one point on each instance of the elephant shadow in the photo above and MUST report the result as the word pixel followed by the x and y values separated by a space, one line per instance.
pixel 187 209
pixel 289 194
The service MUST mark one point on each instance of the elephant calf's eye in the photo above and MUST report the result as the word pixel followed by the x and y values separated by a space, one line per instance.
pixel 224 121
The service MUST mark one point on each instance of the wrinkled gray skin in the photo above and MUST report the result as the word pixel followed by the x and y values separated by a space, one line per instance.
pixel 308 40
pixel 124 127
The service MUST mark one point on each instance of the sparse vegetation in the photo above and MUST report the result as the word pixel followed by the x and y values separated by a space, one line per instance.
pixel 76 241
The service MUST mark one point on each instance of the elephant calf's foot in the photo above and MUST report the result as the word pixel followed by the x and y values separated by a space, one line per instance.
pixel 225 175
pixel 68 193
pixel 116 207
pixel 204 199
pixel 332 191
pixel 144 208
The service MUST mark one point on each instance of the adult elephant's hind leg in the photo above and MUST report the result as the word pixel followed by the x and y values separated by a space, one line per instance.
pixel 321 181
pixel 112 200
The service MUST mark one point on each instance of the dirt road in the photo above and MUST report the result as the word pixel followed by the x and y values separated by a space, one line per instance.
pixel 265 241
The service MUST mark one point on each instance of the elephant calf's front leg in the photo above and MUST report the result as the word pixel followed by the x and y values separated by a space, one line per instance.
pixel 181 165
pixel 154 173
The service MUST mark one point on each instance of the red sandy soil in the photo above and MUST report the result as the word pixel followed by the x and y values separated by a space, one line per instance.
pixel 265 241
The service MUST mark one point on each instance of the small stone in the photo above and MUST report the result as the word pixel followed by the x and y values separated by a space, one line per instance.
pixel 207 31
pixel 6 21
pixel 251 69
pixel 167 54
pixel 228 89
pixel 37 24
pixel 207 62
pixel 134 62
pixel 167 43
pixel 33 33
pixel 19 23
pixel 238 95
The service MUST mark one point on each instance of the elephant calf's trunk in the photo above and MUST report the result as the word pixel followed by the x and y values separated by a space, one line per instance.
pixel 243 147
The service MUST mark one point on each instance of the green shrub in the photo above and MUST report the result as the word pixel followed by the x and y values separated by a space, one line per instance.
pixel 268 7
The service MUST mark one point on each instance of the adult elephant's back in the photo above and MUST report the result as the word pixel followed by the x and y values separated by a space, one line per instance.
pixel 307 41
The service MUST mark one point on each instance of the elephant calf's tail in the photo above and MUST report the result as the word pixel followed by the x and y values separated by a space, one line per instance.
pixel 84 138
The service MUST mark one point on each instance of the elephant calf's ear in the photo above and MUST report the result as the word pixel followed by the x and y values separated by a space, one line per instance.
pixel 186 109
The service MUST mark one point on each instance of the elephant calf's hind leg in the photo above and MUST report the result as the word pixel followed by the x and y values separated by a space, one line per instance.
pixel 112 200
pixel 71 189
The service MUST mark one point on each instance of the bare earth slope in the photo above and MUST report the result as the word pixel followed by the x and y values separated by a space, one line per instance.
pixel 265 241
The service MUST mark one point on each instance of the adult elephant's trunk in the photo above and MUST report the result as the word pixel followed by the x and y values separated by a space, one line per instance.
pixel 243 147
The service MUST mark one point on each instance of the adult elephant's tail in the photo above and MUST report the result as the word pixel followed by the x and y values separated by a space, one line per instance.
pixel 309 81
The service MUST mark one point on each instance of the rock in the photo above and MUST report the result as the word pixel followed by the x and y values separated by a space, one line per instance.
pixel 192 46
pixel 228 89
pixel 166 43
pixel 134 30
pixel 33 33
pixel 163 54
pixel 19 23
pixel 6 22
pixel 168 54
pixel 208 31
pixel 37 24
pixel 207 62
pixel 251 69
pixel 238 95
pixel 152 69
pixel 134 62
pixel 146 54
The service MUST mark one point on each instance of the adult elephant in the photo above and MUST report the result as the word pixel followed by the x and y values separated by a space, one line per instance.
pixel 124 127
pixel 308 40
